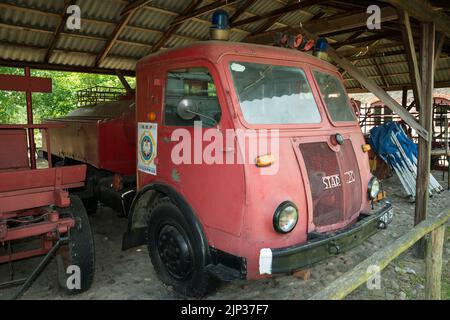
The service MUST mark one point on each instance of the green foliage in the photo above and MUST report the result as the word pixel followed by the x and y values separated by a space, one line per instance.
pixel 49 105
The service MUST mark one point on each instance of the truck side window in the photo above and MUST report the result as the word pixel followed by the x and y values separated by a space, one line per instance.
pixel 336 100
pixel 196 86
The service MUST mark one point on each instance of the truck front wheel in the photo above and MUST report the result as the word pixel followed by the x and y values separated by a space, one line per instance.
pixel 176 250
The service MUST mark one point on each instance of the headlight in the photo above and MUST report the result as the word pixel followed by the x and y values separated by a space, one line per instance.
pixel 285 217
pixel 374 188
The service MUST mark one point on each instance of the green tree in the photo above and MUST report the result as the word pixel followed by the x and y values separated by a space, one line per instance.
pixel 50 105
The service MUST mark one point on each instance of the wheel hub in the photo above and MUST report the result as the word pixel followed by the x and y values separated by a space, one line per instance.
pixel 175 252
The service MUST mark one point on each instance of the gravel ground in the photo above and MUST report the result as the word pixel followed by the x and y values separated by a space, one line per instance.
pixel 130 275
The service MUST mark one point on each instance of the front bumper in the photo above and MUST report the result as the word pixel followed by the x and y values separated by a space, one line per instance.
pixel 322 246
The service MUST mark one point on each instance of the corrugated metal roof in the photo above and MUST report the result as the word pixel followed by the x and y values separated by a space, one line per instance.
pixel 27 30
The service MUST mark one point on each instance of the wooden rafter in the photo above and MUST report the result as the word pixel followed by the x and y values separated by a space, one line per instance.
pixel 269 22
pixel 377 91
pixel 126 15
pixel 380 72
pixel 133 6
pixel 124 82
pixel 59 67
pixel 423 11
pixel 372 87
pixel 278 12
pixel 241 9
pixel 411 57
pixel 351 41
pixel 331 24
pixel 59 29
pixel 174 27
pixel 440 40
pixel 203 10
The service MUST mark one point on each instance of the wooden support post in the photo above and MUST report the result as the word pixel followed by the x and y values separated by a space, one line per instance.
pixel 378 91
pixel 434 264
pixel 425 120
pixel 124 82
pixel 440 40
pixel 29 99
pixel 405 97
pixel 411 57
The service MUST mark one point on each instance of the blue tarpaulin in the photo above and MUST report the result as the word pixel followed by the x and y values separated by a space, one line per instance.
pixel 390 143
pixel 381 142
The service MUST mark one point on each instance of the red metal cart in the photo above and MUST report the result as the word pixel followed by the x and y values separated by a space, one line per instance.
pixel 35 205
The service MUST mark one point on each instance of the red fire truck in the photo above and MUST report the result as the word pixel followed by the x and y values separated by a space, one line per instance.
pixel 166 159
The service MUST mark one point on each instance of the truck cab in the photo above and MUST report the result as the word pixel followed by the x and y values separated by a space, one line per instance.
pixel 250 163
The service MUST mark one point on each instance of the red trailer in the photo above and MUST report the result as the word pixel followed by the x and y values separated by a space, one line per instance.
pixel 38 217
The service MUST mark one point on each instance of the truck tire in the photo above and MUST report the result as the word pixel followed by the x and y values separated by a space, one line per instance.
pixel 79 251
pixel 176 252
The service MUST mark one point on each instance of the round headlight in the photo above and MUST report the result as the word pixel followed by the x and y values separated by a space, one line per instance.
pixel 374 188
pixel 286 217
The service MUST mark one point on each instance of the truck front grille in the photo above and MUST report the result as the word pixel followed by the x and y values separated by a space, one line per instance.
pixel 335 182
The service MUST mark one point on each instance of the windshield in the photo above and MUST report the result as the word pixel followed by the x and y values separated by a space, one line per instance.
pixel 336 100
pixel 270 94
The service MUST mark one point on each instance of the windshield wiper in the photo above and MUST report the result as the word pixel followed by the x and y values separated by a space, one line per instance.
pixel 262 76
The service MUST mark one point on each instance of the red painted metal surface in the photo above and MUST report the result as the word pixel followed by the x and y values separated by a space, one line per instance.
pixel 102 136
pixel 20 83
pixel 29 85
pixel 26 193
pixel 13 149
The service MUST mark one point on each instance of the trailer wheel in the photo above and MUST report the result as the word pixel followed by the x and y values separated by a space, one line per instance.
pixel 79 252
pixel 176 252
pixel 91 205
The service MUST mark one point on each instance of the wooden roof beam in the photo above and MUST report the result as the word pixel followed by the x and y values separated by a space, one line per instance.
pixel 271 21
pixel 423 11
pixel 379 36
pixel 203 10
pixel 241 9
pixel 174 27
pixel 126 16
pixel 380 72
pixel 278 12
pixel 373 87
pixel 411 57
pixel 124 82
pixel 59 29
pixel 59 67
pixel 330 24
pixel 132 6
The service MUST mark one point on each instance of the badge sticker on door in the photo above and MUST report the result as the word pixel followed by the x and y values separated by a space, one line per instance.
pixel 147 147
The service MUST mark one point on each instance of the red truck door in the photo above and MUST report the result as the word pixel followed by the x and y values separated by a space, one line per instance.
pixel 187 162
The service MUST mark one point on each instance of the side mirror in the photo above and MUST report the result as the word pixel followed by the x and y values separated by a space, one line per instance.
pixel 187 109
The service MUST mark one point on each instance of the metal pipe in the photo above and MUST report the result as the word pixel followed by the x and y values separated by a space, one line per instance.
pixel 37 271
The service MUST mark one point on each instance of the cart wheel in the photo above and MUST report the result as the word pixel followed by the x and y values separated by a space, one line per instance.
pixel 176 251
pixel 79 251
pixel 91 205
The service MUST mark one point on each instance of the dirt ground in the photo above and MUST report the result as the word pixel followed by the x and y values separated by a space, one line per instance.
pixel 130 275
